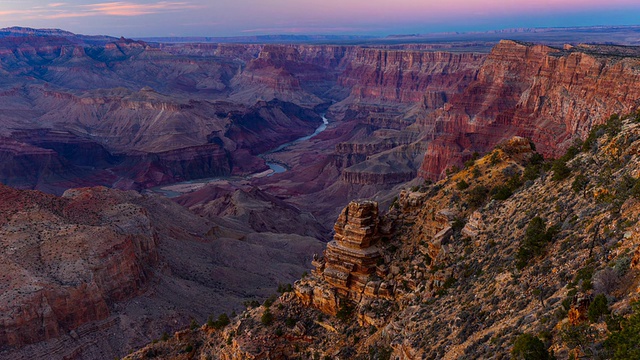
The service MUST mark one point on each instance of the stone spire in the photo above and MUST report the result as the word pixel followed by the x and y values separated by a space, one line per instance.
pixel 352 256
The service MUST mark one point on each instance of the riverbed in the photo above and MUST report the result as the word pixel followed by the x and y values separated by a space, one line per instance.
pixel 184 187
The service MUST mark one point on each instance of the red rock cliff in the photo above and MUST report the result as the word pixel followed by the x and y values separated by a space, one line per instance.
pixel 548 95
pixel 65 260
pixel 398 76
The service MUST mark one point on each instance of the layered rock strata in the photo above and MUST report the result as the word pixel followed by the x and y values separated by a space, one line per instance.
pixel 351 257
pixel 551 96
pixel 351 264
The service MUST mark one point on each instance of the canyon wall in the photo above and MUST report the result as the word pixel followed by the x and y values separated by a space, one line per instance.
pixel 548 95
pixel 381 77
pixel 66 260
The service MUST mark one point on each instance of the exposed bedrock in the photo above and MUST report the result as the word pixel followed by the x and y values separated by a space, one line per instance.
pixel 407 77
pixel 67 259
pixel 545 94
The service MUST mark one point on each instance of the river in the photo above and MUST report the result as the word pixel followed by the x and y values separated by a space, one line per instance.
pixel 184 187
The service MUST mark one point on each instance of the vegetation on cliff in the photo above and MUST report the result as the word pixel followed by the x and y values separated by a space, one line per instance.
pixel 546 271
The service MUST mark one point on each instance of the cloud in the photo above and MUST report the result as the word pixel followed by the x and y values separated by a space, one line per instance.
pixel 62 10
pixel 124 8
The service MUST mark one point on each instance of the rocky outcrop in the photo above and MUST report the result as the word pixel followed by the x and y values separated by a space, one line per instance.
pixel 350 263
pixel 548 95
pixel 98 271
pixel 352 255
pixel 66 259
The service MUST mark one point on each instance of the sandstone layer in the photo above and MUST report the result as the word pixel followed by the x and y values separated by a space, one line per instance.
pixel 98 271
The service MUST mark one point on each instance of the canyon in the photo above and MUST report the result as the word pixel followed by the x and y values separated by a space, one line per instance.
pixel 91 126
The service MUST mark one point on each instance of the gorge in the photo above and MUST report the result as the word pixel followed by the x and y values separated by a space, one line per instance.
pixel 88 128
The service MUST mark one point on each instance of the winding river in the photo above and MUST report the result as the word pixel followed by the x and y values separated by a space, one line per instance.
pixel 184 187
pixel 278 168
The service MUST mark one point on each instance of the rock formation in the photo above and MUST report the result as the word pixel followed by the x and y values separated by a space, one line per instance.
pixel 460 291
pixel 548 95
pixel 98 271
pixel 352 255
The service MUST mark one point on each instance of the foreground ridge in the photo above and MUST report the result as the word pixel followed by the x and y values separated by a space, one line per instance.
pixel 506 254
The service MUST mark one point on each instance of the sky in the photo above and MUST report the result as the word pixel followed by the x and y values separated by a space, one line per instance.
pixel 145 18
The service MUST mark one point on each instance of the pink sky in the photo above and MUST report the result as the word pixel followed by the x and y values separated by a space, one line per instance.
pixel 236 17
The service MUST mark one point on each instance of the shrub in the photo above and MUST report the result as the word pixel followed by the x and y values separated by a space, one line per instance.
pixel 583 277
pixel 477 195
pixel 514 182
pixel 223 320
pixel 494 158
pixel 283 288
pixel 560 170
pixel 194 324
pixel 270 300
pixel 579 183
pixel 529 347
pixel 267 317
pixel 476 172
pixel 597 308
pixel 625 342
pixel 536 159
pixel 613 125
pixel 535 239
pixel 290 322
pixel 531 172
pixel 345 311
pixel 461 185
pixel 501 192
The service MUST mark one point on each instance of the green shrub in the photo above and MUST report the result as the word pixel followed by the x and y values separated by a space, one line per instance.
pixel 584 276
pixel 624 343
pixel 251 303
pixel 267 317
pixel 501 192
pixel 290 322
pixel 478 195
pixel 529 347
pixel 270 300
pixel 535 239
pixel 536 159
pixel 283 288
pixel 345 311
pixel 223 320
pixel 579 183
pixel 597 308
pixel 462 185
pixel 531 172
pixel 476 172
pixel 494 158
pixel 571 152
pixel 560 170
